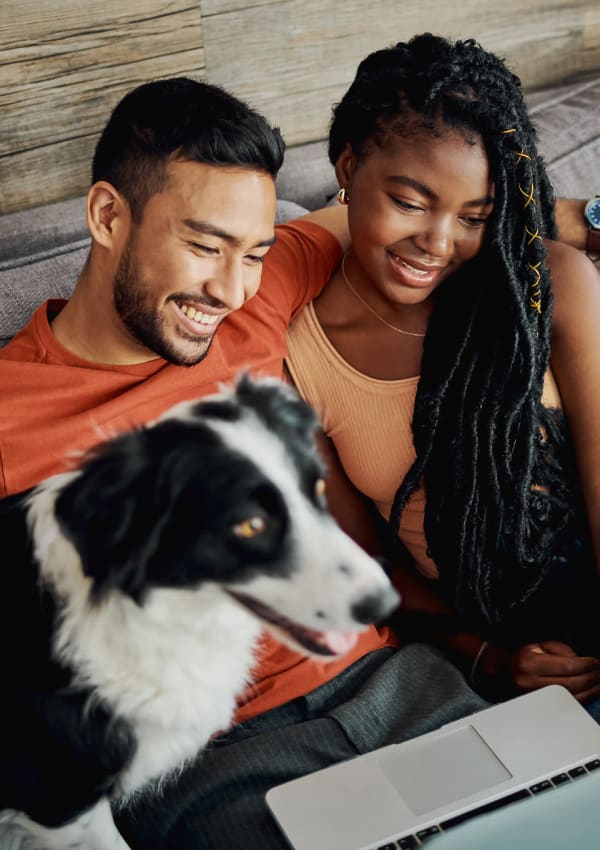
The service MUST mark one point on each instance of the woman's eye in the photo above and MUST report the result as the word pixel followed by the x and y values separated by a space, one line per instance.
pixel 405 205
pixel 250 527
pixel 474 222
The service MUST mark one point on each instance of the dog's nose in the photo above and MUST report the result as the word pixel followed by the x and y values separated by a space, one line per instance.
pixel 376 606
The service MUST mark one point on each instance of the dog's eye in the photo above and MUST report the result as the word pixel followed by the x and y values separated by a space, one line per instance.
pixel 320 490
pixel 251 527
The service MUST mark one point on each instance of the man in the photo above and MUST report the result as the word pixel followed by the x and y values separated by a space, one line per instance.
pixel 181 215
pixel 167 307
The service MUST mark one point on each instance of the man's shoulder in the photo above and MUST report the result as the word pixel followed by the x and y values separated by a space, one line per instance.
pixel 29 344
pixel 306 232
pixel 299 265
pixel 20 350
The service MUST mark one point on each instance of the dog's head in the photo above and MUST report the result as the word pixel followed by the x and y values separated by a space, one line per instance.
pixel 227 491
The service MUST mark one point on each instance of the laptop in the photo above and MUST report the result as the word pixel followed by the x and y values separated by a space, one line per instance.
pixel 401 795
pixel 566 820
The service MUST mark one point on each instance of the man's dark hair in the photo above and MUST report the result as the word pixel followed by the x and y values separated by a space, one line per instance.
pixel 180 118
pixel 491 457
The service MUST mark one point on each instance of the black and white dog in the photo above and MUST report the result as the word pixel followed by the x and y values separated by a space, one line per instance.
pixel 134 589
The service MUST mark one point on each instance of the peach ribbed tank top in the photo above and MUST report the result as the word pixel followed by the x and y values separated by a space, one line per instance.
pixel 369 421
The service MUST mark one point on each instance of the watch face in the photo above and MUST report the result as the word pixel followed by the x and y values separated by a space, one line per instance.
pixel 592 213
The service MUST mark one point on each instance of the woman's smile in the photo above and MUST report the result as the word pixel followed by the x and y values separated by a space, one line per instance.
pixel 414 274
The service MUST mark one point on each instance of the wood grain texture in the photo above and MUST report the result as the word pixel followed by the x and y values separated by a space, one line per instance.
pixel 294 59
pixel 65 63
pixel 63 66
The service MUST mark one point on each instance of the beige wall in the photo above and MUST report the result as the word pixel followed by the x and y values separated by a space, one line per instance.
pixel 65 63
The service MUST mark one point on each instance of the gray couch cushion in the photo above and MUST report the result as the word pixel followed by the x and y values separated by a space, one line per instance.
pixel 567 119
pixel 307 176
pixel 41 253
pixel 38 232
pixel 25 285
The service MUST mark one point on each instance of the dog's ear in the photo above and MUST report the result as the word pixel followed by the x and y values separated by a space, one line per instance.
pixel 280 407
pixel 110 513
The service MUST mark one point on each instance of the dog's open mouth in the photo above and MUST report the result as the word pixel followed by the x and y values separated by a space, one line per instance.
pixel 315 641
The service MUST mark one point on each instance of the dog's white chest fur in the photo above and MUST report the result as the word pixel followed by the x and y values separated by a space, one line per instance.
pixel 177 682
pixel 171 667
pixel 182 688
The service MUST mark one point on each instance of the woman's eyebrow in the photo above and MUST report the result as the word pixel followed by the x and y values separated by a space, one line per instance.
pixel 415 184
pixel 424 190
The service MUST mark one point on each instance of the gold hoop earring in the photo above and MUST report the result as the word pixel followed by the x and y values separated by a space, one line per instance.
pixel 343 197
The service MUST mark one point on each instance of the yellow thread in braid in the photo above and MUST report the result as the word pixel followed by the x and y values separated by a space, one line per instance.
pixel 535 301
pixel 527 195
pixel 536 304
pixel 533 236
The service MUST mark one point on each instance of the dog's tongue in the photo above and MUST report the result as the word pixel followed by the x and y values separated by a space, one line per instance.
pixel 315 641
pixel 339 642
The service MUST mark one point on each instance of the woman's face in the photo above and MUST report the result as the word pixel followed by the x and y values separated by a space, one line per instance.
pixel 417 212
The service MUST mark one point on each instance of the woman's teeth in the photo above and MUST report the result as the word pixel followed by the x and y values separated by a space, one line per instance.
pixel 413 270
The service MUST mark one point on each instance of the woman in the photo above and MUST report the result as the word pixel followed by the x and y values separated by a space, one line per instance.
pixel 463 341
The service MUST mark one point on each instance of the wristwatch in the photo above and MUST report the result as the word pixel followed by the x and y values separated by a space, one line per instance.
pixel 592 218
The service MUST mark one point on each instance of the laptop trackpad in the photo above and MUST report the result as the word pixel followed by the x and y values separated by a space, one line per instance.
pixel 444 769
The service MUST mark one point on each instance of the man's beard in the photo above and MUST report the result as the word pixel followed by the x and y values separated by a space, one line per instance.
pixel 144 323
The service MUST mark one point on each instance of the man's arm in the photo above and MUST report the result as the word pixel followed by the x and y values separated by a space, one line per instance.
pixel 334 219
pixel 570 222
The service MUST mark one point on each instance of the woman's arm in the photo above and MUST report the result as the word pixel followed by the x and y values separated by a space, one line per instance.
pixel 497 672
pixel 575 361
pixel 423 614
pixel 570 222
pixel 334 219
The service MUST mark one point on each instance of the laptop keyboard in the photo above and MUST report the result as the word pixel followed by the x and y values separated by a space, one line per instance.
pixel 408 842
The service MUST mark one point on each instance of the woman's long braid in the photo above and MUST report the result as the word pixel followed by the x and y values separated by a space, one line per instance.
pixel 478 420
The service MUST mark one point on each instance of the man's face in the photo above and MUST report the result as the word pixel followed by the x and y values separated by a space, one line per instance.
pixel 194 258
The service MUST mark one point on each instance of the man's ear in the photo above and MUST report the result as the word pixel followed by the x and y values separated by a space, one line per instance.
pixel 344 167
pixel 108 214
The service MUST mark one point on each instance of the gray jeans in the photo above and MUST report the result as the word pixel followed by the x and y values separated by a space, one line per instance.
pixel 217 803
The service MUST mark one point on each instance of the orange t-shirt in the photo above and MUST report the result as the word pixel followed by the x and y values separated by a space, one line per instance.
pixel 55 405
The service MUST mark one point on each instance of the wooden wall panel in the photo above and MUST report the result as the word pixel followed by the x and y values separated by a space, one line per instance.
pixel 63 65
pixel 294 58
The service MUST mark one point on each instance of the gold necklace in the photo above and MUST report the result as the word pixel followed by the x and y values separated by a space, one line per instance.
pixel 368 306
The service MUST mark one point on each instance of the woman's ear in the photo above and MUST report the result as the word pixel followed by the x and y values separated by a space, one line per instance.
pixel 108 214
pixel 344 167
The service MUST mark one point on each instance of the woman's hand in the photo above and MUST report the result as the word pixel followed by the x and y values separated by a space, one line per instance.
pixel 534 665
